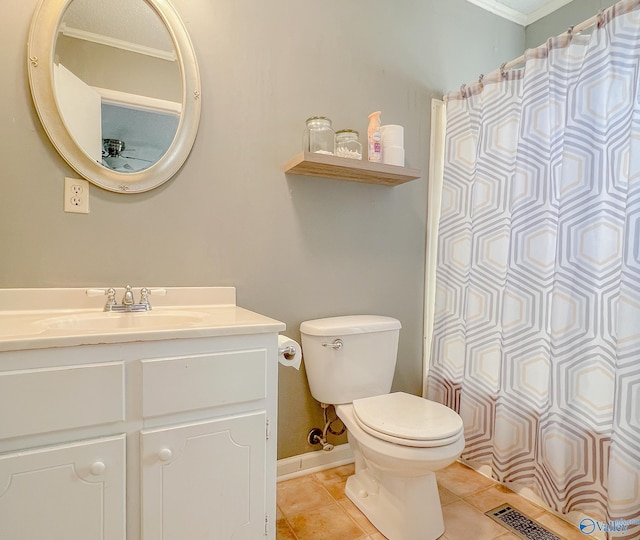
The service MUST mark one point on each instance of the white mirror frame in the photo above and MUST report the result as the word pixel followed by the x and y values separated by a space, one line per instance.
pixel 40 53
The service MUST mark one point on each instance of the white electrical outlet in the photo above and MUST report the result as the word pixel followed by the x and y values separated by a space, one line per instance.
pixel 76 195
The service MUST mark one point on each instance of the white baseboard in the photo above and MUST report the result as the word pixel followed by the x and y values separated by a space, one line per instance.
pixel 311 462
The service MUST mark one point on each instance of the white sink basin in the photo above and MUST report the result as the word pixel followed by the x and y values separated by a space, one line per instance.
pixel 42 318
pixel 114 321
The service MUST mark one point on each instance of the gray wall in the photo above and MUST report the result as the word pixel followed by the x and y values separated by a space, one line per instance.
pixel 560 20
pixel 295 247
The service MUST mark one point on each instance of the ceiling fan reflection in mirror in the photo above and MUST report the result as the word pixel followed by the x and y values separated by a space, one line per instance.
pixel 113 157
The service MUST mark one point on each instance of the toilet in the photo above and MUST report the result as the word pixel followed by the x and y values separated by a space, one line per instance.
pixel 398 440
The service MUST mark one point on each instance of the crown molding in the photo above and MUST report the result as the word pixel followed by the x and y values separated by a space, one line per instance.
pixel 117 43
pixel 545 10
pixel 523 19
pixel 498 8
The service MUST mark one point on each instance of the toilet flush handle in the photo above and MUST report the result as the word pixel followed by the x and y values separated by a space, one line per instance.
pixel 337 344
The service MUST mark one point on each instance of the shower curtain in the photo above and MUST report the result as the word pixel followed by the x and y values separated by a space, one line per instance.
pixel 536 339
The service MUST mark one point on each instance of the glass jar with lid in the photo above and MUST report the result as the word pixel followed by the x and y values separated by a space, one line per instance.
pixel 348 144
pixel 319 136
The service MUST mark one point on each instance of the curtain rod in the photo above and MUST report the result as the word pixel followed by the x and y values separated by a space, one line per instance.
pixel 571 30
pixel 596 19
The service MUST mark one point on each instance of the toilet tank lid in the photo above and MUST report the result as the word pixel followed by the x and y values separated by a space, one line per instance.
pixel 349 324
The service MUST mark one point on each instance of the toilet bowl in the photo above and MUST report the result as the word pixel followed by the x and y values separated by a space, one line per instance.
pixel 398 440
pixel 394 484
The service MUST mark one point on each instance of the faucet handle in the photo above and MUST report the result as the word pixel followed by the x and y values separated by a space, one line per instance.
pixel 96 292
pixel 144 296
pixel 157 291
pixel 111 296
pixel 145 292
pixel 110 292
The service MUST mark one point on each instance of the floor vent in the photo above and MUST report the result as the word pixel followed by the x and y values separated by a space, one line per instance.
pixel 519 524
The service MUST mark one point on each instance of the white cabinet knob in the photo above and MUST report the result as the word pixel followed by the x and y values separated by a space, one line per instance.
pixel 165 454
pixel 97 468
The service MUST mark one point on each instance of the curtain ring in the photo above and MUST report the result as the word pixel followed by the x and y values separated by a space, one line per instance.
pixel 601 18
pixel 480 83
pixel 463 90
pixel 570 32
pixel 503 72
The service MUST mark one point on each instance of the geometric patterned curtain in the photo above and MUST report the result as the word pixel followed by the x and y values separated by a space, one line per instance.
pixel 536 339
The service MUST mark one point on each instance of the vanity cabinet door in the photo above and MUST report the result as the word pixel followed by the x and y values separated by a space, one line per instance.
pixel 67 492
pixel 205 480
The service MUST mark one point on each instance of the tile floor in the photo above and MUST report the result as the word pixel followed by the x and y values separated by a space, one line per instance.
pixel 314 507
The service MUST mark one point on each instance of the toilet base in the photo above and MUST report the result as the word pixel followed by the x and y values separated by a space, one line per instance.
pixel 401 508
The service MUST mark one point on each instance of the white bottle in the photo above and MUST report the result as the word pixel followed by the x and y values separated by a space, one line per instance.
pixel 374 137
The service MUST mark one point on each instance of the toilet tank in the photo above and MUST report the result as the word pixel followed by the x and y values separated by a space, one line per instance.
pixel 362 366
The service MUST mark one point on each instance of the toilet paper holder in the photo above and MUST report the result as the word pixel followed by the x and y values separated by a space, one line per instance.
pixel 288 351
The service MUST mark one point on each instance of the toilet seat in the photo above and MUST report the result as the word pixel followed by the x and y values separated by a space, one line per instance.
pixel 408 420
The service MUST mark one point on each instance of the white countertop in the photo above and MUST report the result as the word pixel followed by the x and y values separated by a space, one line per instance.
pixel 42 318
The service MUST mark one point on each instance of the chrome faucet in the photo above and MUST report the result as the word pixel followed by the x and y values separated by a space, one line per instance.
pixel 128 301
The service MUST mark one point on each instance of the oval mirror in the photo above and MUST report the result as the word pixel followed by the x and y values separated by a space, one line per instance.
pixel 117 89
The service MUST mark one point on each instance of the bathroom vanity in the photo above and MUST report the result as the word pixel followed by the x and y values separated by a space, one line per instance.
pixel 148 425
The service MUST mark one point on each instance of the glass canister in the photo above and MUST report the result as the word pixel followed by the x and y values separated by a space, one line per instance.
pixel 319 136
pixel 348 144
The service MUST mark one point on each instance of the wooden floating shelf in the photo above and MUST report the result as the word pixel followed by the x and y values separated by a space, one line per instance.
pixel 353 170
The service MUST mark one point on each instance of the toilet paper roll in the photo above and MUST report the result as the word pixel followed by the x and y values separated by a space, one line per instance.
pixel 393 155
pixel 289 352
pixel 392 135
